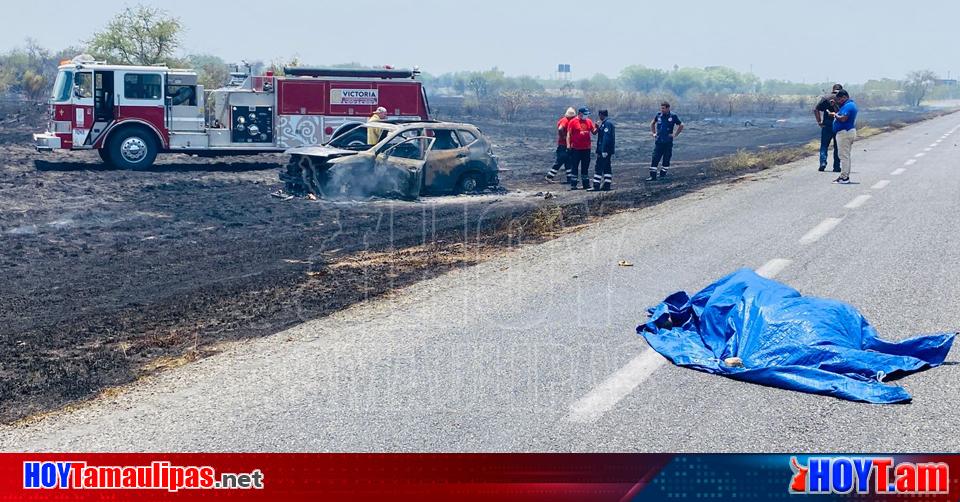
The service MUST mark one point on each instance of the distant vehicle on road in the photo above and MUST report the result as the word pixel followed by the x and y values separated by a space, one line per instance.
pixel 409 160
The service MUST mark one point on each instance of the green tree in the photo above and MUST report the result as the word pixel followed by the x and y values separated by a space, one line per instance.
pixel 884 85
pixel 138 35
pixel 33 85
pixel 28 70
pixel 686 81
pixel 642 79
pixel 597 83
pixel 917 85
pixel 485 84
pixel 212 71
pixel 523 83
pixel 727 80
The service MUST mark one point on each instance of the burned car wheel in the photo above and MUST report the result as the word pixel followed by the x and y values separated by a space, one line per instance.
pixel 471 182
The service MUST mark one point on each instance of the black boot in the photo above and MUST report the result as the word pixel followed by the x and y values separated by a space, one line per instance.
pixel 653 176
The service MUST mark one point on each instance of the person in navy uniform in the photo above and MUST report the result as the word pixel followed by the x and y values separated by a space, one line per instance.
pixel 606 144
pixel 665 127
pixel 827 104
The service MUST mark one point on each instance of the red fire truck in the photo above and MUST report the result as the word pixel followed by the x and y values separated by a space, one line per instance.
pixel 129 114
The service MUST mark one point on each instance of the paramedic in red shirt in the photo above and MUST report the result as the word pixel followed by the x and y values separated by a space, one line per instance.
pixel 579 131
pixel 562 145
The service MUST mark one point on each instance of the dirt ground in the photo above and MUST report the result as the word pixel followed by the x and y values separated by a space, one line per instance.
pixel 110 275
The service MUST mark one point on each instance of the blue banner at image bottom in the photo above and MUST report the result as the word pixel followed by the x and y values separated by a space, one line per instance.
pixel 796 477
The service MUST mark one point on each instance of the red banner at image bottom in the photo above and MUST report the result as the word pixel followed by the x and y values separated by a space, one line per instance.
pixel 501 477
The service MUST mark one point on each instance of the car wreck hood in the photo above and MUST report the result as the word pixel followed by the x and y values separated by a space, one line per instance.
pixel 320 151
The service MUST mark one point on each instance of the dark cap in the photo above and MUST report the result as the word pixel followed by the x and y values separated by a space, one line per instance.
pixel 843 94
pixel 837 87
pixel 603 113
pixel 584 110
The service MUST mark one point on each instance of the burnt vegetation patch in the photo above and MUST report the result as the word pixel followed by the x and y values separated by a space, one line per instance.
pixel 111 275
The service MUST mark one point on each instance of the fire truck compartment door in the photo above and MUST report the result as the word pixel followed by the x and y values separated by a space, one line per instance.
pixel 183 99
pixel 187 117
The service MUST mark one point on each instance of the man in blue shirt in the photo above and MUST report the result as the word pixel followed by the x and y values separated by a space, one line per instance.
pixel 665 127
pixel 845 127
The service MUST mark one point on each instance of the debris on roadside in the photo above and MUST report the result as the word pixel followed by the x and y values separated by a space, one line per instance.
pixel 624 263
pixel 281 195
pixel 311 196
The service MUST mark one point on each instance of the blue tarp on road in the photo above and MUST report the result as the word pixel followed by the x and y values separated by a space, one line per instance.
pixel 786 340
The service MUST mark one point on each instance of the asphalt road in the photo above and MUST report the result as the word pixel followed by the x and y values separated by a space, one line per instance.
pixel 536 350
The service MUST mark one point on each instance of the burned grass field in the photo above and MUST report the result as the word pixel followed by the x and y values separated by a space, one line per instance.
pixel 110 275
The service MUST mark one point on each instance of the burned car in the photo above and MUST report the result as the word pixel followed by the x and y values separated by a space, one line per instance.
pixel 402 160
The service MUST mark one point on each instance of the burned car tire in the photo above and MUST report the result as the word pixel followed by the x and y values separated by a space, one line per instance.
pixel 471 182
pixel 132 148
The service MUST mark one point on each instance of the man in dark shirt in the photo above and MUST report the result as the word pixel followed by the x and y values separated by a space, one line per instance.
pixel 606 145
pixel 665 127
pixel 826 104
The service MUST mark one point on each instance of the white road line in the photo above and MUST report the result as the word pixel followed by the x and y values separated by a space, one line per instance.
pixel 857 201
pixel 910 162
pixel 934 145
pixel 773 267
pixel 820 230
pixel 620 384
pixel 928 149
pixel 898 171
pixel 921 154
pixel 880 185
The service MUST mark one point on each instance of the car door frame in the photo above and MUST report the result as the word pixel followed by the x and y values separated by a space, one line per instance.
pixel 402 174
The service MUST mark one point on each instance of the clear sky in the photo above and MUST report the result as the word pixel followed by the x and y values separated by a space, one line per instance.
pixel 804 41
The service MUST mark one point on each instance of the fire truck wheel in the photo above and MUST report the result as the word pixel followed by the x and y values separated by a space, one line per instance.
pixel 133 148
pixel 470 182
pixel 104 154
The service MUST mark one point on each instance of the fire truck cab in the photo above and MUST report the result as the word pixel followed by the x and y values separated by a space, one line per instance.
pixel 129 114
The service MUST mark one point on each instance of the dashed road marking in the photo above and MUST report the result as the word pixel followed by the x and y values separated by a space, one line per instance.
pixel 910 162
pixel 773 267
pixel 934 145
pixel 880 185
pixel 619 385
pixel 820 230
pixel 921 154
pixel 928 149
pixel 898 171
pixel 857 201
pixel 605 396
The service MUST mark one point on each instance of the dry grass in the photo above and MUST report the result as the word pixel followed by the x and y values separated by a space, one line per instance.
pixel 865 130
pixel 546 220
pixel 744 160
